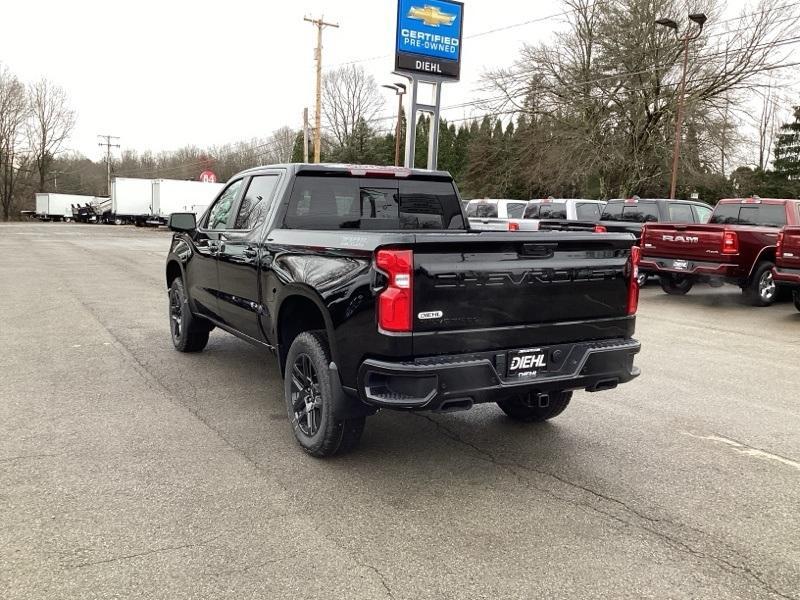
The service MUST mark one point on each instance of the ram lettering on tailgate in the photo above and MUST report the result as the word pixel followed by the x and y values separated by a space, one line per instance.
pixel 686 239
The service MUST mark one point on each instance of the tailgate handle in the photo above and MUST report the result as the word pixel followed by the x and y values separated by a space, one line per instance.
pixel 681 227
pixel 539 250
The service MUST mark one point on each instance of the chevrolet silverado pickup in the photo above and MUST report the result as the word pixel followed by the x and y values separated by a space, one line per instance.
pixel 372 291
pixel 737 246
pixel 787 262
pixel 489 214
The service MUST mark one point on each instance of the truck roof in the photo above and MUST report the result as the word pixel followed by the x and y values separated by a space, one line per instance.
pixel 756 200
pixel 355 170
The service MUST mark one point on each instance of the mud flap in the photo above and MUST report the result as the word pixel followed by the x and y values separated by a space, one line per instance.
pixel 345 406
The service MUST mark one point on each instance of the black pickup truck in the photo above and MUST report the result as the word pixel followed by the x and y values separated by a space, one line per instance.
pixel 371 290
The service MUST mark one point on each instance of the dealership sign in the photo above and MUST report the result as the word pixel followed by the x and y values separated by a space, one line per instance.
pixel 429 37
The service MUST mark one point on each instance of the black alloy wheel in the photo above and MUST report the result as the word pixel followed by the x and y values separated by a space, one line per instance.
pixel 306 396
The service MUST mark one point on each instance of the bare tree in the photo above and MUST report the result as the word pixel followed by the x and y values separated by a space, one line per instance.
pixel 279 145
pixel 766 128
pixel 602 101
pixel 50 124
pixel 13 159
pixel 349 95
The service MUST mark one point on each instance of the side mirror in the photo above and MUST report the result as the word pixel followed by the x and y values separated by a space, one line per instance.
pixel 183 222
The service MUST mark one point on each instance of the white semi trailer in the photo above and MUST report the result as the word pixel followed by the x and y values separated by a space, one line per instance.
pixel 58 207
pixel 131 200
pixel 175 195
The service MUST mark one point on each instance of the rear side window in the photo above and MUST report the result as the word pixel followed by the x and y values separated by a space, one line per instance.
pixel 372 204
pixel 587 211
pixel 612 211
pixel 680 213
pixel 514 210
pixel 640 212
pixel 553 210
pixel 482 210
pixel 761 215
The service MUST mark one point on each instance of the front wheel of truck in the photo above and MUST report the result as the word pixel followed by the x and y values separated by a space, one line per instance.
pixel 310 400
pixel 532 408
pixel 676 285
pixel 189 333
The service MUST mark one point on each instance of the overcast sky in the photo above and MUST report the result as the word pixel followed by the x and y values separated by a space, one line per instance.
pixel 163 74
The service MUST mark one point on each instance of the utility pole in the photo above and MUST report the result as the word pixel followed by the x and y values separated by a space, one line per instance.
pixel 108 143
pixel 305 135
pixel 320 24
pixel 699 19
pixel 55 180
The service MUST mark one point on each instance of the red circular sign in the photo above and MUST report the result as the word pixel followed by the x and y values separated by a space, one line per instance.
pixel 208 177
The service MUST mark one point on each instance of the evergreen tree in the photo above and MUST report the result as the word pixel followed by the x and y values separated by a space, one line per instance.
pixel 787 148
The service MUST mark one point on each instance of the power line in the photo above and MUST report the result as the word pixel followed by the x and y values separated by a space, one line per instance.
pixel 108 144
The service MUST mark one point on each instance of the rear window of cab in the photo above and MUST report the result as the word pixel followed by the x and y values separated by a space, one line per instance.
pixel 749 213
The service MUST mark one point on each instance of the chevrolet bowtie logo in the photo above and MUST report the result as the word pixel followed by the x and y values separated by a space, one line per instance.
pixel 431 16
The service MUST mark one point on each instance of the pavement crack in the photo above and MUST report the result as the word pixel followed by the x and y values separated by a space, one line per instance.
pixel 147 553
pixel 646 524
pixel 379 574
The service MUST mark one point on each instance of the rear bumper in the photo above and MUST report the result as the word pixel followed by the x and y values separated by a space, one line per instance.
pixel 787 277
pixel 438 383
pixel 657 264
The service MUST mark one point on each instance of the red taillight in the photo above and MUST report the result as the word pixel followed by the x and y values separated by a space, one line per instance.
pixel 779 246
pixel 600 229
pixel 633 282
pixel 730 242
pixel 395 303
pixel 513 226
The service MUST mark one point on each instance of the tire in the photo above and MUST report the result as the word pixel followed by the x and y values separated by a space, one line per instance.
pixel 309 399
pixel 118 221
pixel 796 299
pixel 188 332
pixel 531 410
pixel 676 285
pixel 762 290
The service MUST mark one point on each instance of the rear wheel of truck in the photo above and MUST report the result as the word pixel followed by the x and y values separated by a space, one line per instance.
pixel 189 333
pixel 310 402
pixel 676 285
pixel 762 290
pixel 530 409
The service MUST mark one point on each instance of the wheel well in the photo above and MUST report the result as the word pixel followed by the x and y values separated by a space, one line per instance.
pixel 297 314
pixel 173 272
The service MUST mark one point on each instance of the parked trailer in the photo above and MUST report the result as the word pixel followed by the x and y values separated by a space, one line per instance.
pixel 131 200
pixel 58 207
pixel 175 195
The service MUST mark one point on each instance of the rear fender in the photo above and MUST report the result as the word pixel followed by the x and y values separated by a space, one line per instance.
pixel 766 254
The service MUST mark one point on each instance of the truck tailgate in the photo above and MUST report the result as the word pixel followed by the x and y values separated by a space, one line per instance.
pixel 480 291
pixel 700 242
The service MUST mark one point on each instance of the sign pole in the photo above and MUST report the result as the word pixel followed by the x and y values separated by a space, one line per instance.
pixel 433 134
pixel 411 125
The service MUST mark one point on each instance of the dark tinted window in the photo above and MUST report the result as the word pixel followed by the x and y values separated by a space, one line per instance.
pixel 725 214
pixel 640 212
pixel 587 211
pixel 482 210
pixel 765 215
pixel 361 203
pixel 255 205
pixel 515 210
pixel 612 211
pixel 680 213
pixel 553 210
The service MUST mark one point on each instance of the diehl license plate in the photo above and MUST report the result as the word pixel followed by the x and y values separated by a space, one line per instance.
pixel 526 363
pixel 680 264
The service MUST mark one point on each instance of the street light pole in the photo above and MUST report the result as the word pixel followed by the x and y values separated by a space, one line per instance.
pixel 400 90
pixel 699 19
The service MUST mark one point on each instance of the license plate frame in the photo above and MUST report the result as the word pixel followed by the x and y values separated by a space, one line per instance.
pixel 529 362
pixel 680 264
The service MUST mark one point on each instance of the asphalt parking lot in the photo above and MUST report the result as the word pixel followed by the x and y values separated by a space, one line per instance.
pixel 128 470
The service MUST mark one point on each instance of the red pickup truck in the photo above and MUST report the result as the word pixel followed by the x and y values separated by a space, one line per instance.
pixel 737 246
pixel 787 262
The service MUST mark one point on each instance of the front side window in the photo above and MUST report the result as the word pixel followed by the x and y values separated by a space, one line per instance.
pixel 256 203
pixel 220 213
pixel 680 213
pixel 587 211
pixel 514 210
pixel 703 213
